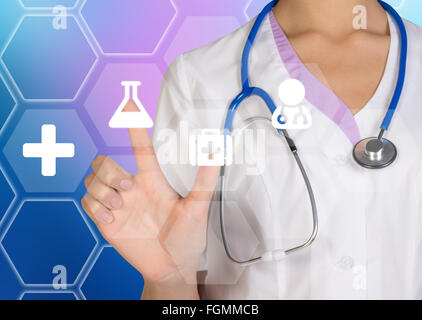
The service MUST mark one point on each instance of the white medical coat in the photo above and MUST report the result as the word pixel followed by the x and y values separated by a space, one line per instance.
pixel 369 244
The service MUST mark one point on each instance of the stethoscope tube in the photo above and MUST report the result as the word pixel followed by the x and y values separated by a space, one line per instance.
pixel 274 255
pixel 379 152
pixel 369 153
pixel 248 91
pixel 402 67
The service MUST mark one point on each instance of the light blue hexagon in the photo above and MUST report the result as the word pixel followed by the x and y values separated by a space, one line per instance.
pixel 48 63
pixel 7 103
pixel 47 239
pixel 70 171
pixel 10 13
pixel 48 3
pixel 222 8
pixel 409 9
pixel 125 26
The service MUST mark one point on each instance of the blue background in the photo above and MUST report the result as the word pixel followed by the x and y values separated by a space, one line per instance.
pixel 46 76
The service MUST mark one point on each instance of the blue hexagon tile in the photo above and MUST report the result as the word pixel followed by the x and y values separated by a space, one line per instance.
pixel 59 61
pixel 49 242
pixel 122 282
pixel 39 295
pixel 10 286
pixel 56 168
pixel 126 26
pixel 7 194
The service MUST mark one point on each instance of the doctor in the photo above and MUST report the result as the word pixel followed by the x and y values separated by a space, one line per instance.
pixel 165 220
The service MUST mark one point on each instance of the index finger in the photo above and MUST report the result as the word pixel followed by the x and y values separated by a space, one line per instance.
pixel 142 145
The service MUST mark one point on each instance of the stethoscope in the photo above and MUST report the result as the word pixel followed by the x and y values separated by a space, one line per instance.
pixel 371 153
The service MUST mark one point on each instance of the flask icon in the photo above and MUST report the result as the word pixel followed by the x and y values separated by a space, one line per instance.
pixel 131 119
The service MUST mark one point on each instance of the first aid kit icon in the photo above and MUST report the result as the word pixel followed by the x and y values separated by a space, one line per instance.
pixel 209 149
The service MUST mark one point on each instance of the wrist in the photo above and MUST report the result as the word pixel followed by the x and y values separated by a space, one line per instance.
pixel 172 287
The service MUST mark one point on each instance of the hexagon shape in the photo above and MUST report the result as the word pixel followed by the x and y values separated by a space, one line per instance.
pixel 48 295
pixel 211 7
pixel 198 31
pixel 9 284
pixel 255 7
pixel 10 13
pixel 45 235
pixel 57 61
pixel 7 194
pixel 48 3
pixel 124 27
pixel 112 278
pixel 108 93
pixel 69 171
pixel 7 103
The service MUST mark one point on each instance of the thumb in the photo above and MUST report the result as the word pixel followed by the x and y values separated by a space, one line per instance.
pixel 204 186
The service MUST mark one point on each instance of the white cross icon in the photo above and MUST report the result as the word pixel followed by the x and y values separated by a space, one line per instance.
pixel 48 150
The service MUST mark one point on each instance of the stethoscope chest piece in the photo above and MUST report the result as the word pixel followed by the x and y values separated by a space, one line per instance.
pixel 374 153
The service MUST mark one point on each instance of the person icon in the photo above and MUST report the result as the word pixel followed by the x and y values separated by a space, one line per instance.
pixel 293 114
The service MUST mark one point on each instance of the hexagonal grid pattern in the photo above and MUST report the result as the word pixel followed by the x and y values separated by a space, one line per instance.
pixel 120 283
pixel 65 76
pixel 52 248
pixel 69 129
pixel 124 26
pixel 48 295
pixel 7 103
pixel 55 74
pixel 48 3
pixel 8 194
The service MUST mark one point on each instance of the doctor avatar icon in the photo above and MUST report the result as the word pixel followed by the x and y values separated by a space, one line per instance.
pixel 131 119
pixel 293 114
pixel 209 149
pixel 48 150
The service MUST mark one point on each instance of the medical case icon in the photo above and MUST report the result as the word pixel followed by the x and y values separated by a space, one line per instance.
pixel 207 148
pixel 131 119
